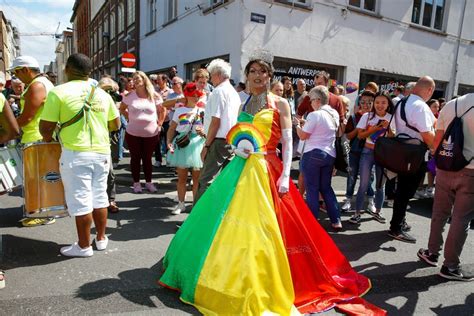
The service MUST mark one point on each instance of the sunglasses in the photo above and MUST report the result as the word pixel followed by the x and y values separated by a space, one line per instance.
pixel 366 102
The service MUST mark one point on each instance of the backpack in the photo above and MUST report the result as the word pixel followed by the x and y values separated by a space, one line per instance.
pixel 401 154
pixel 449 154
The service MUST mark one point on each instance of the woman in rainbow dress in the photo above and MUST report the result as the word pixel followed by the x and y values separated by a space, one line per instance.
pixel 251 246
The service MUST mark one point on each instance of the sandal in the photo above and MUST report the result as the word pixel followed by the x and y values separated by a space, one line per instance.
pixel 2 279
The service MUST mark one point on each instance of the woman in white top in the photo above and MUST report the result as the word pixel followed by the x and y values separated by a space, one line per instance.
pixel 319 154
pixel 186 120
pixel 371 126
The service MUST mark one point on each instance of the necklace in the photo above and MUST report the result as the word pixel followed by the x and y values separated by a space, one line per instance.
pixel 256 103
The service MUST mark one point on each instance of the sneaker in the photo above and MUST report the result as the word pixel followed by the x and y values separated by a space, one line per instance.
pixel 346 207
pixel 428 257
pixel 355 219
pixel 157 164
pixel 454 274
pixel 113 207
pixel 402 236
pixel 337 226
pixel 405 226
pixel 32 222
pixel 430 192
pixel 75 251
pixel 379 218
pixel 371 206
pixel 181 207
pixel 101 244
pixel 137 187
pixel 420 194
pixel 150 187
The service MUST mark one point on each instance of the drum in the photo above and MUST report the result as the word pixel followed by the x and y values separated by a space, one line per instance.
pixel 11 172
pixel 43 189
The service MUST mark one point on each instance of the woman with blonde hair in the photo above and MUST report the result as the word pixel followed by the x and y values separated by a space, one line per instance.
pixel 142 108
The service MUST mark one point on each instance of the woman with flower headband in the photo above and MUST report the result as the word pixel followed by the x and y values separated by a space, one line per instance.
pixel 251 246
pixel 186 121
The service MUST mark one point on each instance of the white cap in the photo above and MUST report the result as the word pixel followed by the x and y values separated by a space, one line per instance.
pixel 24 61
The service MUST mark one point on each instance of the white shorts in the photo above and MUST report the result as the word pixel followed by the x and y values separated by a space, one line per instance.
pixel 84 176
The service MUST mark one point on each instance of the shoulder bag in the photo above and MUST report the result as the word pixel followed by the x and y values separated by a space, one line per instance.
pixel 401 154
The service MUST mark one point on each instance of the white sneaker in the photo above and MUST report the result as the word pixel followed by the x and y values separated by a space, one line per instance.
pixel 181 207
pixel 157 164
pixel 75 251
pixel 420 194
pixel 101 244
pixel 347 205
pixel 371 206
pixel 430 192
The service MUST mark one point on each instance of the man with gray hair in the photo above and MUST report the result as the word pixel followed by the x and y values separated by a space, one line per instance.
pixel 222 110
pixel 406 92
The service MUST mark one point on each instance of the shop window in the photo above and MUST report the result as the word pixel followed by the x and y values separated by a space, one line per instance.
pixel 429 13
pixel 151 6
pixel 367 5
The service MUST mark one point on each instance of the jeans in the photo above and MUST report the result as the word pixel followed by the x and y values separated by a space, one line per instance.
pixel 454 196
pixel 317 166
pixel 366 164
pixel 121 135
pixel 354 159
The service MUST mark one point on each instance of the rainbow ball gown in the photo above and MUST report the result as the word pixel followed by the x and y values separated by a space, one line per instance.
pixel 244 250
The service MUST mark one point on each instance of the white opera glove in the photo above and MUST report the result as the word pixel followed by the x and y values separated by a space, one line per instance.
pixel 241 153
pixel 287 154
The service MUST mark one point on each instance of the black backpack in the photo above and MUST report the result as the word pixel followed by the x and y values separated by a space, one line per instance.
pixel 449 154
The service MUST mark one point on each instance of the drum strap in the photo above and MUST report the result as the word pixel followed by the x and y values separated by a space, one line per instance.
pixel 79 115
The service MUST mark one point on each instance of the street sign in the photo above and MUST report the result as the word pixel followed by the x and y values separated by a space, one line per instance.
pixel 128 60
pixel 258 18
pixel 125 69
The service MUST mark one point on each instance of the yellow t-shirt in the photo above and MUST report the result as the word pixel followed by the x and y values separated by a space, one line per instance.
pixel 31 131
pixel 90 133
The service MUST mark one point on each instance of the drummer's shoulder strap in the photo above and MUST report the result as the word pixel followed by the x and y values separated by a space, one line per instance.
pixel 79 115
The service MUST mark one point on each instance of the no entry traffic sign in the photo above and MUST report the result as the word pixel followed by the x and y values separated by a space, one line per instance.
pixel 128 60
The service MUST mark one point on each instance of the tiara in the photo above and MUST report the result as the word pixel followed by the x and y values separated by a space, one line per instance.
pixel 261 54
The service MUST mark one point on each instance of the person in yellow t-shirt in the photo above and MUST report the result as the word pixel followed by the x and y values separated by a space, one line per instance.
pixel 85 157
pixel 8 126
pixel 27 69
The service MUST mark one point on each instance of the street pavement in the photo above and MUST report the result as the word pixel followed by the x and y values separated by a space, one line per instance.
pixel 122 279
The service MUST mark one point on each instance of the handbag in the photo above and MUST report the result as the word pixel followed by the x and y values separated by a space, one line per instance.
pixel 342 150
pixel 184 140
pixel 401 154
